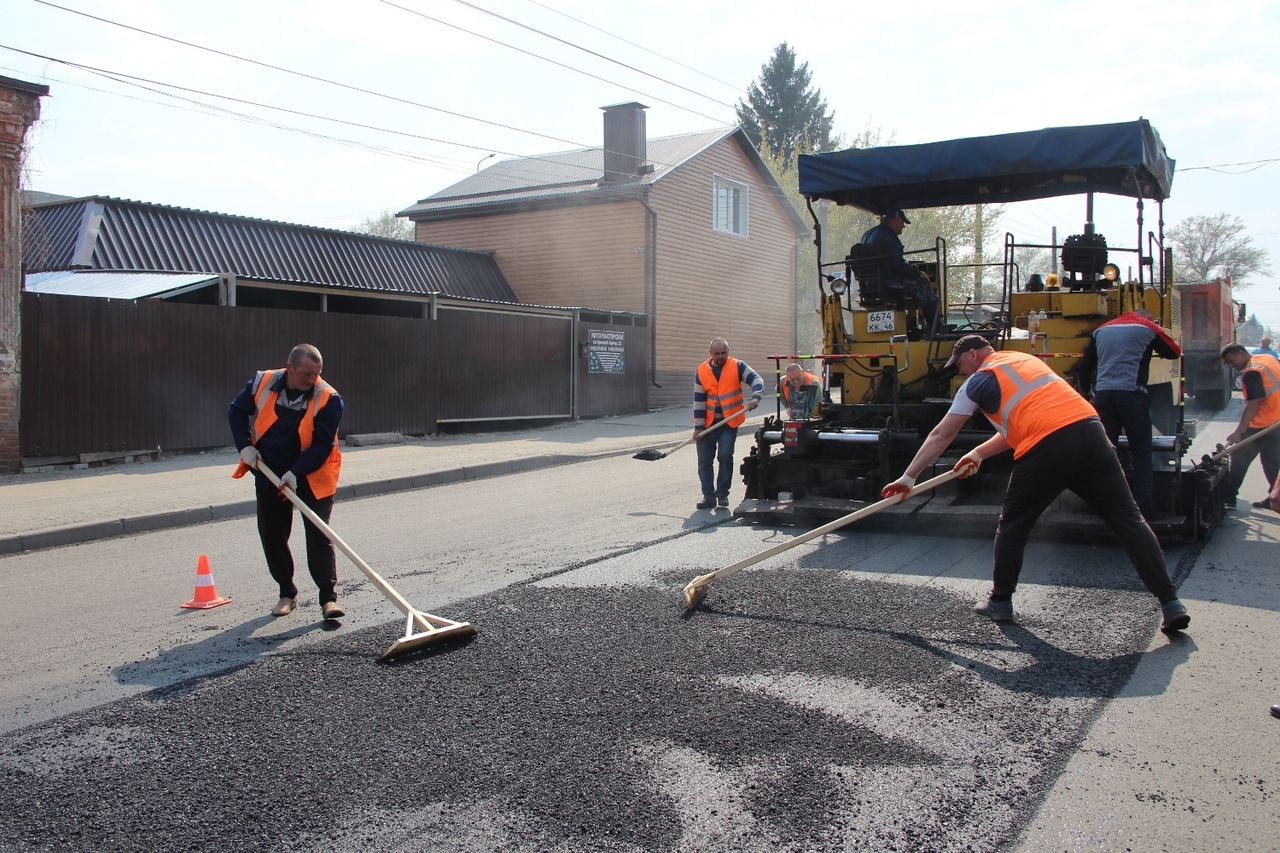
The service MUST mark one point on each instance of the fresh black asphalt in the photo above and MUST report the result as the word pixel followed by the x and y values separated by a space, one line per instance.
pixel 802 709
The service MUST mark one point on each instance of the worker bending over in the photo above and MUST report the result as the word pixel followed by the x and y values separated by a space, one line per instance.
pixel 1058 443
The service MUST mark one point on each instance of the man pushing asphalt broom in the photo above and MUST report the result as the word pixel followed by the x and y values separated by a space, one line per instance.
pixel 1058 443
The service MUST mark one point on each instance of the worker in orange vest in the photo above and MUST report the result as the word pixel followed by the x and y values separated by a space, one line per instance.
pixel 718 395
pixel 287 420
pixel 1260 381
pixel 1058 443
pixel 799 405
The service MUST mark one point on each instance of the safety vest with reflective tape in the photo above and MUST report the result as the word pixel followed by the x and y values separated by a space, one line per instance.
pixel 725 391
pixel 1269 408
pixel 1034 401
pixel 806 378
pixel 323 480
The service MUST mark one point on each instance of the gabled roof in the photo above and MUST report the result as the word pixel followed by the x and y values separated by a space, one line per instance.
pixel 573 177
pixel 101 233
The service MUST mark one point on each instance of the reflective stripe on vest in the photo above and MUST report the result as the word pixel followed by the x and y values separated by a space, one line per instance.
pixel 807 379
pixel 324 480
pixel 1269 407
pixel 1034 401
pixel 725 392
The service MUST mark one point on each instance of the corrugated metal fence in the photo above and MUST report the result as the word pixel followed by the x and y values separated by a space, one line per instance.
pixel 113 376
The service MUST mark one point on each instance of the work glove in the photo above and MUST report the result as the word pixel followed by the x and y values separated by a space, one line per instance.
pixel 968 465
pixel 901 486
pixel 249 456
pixel 289 481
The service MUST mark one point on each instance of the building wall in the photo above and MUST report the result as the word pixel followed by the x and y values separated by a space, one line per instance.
pixel 712 284
pixel 573 256
pixel 709 284
pixel 18 110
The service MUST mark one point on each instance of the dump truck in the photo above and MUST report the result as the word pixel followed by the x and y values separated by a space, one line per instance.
pixel 1209 319
pixel 885 384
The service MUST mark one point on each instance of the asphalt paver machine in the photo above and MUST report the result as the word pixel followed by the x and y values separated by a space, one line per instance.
pixel 882 362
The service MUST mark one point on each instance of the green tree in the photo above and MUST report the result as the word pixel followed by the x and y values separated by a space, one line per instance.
pixel 386 224
pixel 1208 247
pixel 782 112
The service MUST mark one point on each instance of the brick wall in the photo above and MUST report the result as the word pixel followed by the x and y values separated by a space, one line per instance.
pixel 19 108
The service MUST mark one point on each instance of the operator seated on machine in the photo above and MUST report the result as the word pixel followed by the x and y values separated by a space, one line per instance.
pixel 902 274
pixel 801 392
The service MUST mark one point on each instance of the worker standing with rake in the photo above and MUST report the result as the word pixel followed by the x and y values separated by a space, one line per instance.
pixel 287 420
pixel 718 404
pixel 1058 443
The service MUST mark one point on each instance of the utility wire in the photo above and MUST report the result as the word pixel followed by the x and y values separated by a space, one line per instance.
pixel 133 80
pixel 512 179
pixel 736 89
pixel 312 76
pixel 543 58
pixel 1256 164
pixel 587 51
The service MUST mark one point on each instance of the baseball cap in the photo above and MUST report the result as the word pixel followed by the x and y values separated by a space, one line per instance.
pixel 897 214
pixel 968 342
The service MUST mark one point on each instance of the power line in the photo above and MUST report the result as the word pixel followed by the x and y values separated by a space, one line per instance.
pixel 736 89
pixel 511 179
pixel 1256 164
pixel 543 58
pixel 311 76
pixel 585 50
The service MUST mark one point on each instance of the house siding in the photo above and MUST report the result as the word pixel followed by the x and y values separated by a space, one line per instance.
pixel 709 284
pixel 712 284
pixel 572 256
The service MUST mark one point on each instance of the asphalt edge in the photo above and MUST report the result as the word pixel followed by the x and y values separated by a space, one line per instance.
pixel 91 531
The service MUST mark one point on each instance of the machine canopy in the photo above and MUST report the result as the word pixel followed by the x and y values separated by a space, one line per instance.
pixel 1127 159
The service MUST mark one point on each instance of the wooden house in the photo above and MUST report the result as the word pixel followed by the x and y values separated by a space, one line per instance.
pixel 693 230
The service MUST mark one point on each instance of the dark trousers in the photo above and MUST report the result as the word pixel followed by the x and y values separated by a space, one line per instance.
pixel 922 292
pixel 1267 447
pixel 1077 457
pixel 275 523
pixel 717 446
pixel 1130 411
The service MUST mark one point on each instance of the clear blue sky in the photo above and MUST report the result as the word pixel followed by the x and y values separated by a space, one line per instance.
pixel 920 72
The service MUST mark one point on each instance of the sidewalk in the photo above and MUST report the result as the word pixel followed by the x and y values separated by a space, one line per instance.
pixel 48 509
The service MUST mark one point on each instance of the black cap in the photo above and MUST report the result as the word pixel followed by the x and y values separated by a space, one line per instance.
pixel 968 342
pixel 897 214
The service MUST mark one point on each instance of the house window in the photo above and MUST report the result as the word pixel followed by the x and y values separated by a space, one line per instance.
pixel 729 206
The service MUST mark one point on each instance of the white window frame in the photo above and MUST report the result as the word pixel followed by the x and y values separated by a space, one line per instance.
pixel 738 225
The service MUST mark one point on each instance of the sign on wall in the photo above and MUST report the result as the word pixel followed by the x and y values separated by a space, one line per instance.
pixel 606 351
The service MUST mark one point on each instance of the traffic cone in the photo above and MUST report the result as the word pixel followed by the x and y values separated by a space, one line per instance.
pixel 206 595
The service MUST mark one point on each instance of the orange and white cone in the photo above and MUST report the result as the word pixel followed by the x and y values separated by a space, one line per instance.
pixel 206 594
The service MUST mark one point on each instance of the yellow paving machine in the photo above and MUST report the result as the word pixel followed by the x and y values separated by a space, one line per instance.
pixel 884 384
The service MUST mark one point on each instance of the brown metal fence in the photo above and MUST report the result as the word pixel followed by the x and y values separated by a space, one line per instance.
pixel 115 376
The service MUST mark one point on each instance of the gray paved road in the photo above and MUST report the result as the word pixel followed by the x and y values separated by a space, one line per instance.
pixel 839 697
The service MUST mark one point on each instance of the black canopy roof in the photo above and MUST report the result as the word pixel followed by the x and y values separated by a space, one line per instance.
pixel 1127 159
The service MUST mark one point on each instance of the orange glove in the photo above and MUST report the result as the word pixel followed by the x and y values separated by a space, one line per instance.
pixel 968 465
pixel 901 486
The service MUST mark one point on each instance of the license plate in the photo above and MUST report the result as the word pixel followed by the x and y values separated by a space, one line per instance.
pixel 879 321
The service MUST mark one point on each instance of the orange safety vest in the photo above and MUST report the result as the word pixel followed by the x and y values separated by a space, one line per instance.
pixel 324 480
pixel 1269 408
pixel 727 391
pixel 1034 401
pixel 807 379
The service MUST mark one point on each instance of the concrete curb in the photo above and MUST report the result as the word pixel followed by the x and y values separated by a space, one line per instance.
pixel 74 534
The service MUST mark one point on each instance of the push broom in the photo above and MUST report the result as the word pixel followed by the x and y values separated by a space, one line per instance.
pixel 697 587
pixel 432 629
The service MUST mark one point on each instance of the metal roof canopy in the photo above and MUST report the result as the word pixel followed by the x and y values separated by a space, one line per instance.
pixel 1126 159
pixel 116 285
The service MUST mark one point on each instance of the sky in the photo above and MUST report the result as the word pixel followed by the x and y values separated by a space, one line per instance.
pixel 327 112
